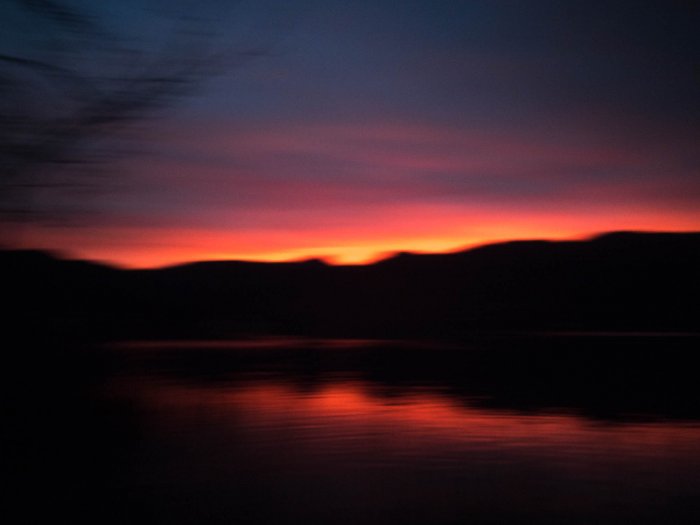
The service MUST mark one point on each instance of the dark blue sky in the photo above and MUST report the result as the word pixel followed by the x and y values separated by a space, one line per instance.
pixel 483 60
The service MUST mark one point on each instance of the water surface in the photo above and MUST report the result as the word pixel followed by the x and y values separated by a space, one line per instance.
pixel 282 433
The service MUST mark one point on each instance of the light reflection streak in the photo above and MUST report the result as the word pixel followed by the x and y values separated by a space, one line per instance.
pixel 422 422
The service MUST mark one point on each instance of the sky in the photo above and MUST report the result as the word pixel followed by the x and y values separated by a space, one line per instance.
pixel 350 130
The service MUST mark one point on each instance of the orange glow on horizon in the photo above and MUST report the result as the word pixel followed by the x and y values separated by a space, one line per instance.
pixel 366 191
pixel 374 238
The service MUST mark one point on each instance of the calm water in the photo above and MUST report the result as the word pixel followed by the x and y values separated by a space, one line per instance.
pixel 276 433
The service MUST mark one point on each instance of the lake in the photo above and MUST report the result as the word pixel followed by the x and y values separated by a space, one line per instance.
pixel 297 431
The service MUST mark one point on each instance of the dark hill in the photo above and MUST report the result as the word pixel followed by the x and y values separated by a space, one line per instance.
pixel 621 281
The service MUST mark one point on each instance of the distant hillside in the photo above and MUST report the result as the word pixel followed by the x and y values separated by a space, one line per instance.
pixel 615 282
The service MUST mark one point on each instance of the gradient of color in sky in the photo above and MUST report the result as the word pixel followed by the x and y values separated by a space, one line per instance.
pixel 375 126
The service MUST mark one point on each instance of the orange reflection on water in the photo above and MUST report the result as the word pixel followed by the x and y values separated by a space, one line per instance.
pixel 350 411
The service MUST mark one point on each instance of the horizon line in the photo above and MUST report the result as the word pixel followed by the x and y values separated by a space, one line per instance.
pixel 329 260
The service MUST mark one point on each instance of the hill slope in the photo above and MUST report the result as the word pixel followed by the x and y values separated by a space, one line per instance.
pixel 615 282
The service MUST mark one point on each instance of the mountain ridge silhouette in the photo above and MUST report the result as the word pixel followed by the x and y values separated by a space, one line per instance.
pixel 618 281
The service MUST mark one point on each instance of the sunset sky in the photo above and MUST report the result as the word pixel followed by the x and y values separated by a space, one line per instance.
pixel 367 127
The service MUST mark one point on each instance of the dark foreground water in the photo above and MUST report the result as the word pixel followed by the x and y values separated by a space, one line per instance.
pixel 325 432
